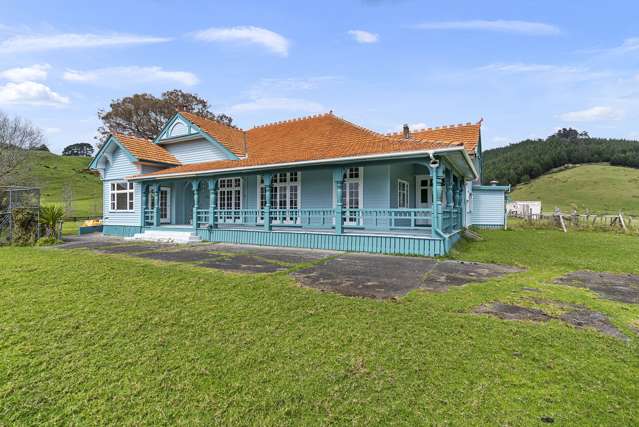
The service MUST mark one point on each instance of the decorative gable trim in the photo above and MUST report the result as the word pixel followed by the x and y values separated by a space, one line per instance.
pixel 189 131
pixel 105 151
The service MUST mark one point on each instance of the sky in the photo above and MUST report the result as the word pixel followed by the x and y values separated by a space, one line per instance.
pixel 526 67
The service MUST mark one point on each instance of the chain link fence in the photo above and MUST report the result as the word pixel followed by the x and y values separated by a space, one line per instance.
pixel 19 215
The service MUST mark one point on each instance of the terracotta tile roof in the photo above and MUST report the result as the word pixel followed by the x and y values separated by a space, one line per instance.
pixel 310 138
pixel 232 138
pixel 143 149
pixel 467 134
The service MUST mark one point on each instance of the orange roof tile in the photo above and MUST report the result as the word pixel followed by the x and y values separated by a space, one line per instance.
pixel 306 139
pixel 232 138
pixel 143 149
pixel 467 134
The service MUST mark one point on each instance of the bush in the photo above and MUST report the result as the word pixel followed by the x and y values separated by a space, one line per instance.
pixel 25 226
pixel 50 217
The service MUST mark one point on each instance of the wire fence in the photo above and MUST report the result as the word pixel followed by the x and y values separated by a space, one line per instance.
pixel 19 214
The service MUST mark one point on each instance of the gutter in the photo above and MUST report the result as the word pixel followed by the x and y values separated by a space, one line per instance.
pixel 401 154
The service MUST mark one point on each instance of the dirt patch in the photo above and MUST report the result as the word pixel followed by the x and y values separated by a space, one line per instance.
pixel 383 276
pixel 616 287
pixel 512 312
pixel 592 319
pixel 579 317
pixel 458 273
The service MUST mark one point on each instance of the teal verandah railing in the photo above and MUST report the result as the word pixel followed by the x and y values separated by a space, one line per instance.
pixel 364 219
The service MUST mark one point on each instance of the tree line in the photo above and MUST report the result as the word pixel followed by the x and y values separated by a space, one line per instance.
pixel 519 163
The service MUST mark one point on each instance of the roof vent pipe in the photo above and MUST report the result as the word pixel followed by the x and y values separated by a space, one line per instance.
pixel 406 131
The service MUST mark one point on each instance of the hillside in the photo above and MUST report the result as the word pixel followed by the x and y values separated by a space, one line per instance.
pixel 51 172
pixel 600 188
pixel 529 159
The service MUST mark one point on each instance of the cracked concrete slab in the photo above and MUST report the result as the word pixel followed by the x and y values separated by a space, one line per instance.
pixel 180 255
pixel 243 263
pixel 577 316
pixel 616 287
pixel 383 276
pixel 283 255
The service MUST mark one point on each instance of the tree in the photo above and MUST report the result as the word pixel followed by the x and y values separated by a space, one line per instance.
pixel 570 133
pixel 78 150
pixel 143 115
pixel 16 137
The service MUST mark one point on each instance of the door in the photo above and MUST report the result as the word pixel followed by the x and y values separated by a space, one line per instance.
pixel 423 196
pixel 165 205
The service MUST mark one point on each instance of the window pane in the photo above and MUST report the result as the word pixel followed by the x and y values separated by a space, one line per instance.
pixel 121 201
pixel 121 186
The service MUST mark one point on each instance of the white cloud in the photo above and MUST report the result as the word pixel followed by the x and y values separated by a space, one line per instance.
pixel 593 114
pixel 274 42
pixel 33 43
pixel 504 26
pixel 131 74
pixel 282 104
pixel 361 36
pixel 21 74
pixel 30 93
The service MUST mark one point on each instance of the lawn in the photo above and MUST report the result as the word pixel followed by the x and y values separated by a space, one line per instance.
pixel 88 339
pixel 597 187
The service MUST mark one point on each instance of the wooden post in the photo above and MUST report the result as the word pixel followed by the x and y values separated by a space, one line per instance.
pixel 212 184
pixel 436 205
pixel 338 181
pixel 448 176
pixel 156 205
pixel 195 185
pixel 145 202
pixel 623 223
pixel 268 178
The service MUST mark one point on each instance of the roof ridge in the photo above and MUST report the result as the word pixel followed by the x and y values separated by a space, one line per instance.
pixel 294 119
pixel 212 120
pixel 116 134
pixel 431 128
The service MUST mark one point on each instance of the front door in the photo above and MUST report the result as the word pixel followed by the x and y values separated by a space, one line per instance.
pixel 423 196
pixel 165 205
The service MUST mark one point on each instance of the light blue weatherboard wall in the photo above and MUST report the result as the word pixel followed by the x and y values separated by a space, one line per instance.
pixel 119 168
pixel 195 151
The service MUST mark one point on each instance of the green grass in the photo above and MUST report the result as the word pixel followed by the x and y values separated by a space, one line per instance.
pixel 88 339
pixel 51 172
pixel 599 188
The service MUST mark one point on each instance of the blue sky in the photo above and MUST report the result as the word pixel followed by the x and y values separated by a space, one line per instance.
pixel 526 67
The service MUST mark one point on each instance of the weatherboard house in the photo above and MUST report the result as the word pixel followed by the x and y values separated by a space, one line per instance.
pixel 313 182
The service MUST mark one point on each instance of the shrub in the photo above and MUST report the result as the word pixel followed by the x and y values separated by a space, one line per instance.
pixel 25 226
pixel 50 217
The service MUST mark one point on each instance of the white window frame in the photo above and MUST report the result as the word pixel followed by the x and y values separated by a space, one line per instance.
pixel 346 179
pixel 113 196
pixel 169 208
pixel 406 191
pixel 233 187
pixel 288 184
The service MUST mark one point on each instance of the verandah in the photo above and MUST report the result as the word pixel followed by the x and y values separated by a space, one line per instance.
pixel 442 217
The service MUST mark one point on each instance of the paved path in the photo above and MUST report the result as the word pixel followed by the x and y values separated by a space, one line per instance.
pixel 352 274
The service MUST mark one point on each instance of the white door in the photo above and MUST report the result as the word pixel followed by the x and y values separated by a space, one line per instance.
pixel 423 196
pixel 165 205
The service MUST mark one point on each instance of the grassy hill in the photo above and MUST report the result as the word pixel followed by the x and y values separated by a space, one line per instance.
pixel 601 188
pixel 51 173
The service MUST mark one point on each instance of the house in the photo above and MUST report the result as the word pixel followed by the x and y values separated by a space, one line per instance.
pixel 312 182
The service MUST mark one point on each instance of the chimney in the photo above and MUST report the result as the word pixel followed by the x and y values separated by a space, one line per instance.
pixel 406 131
